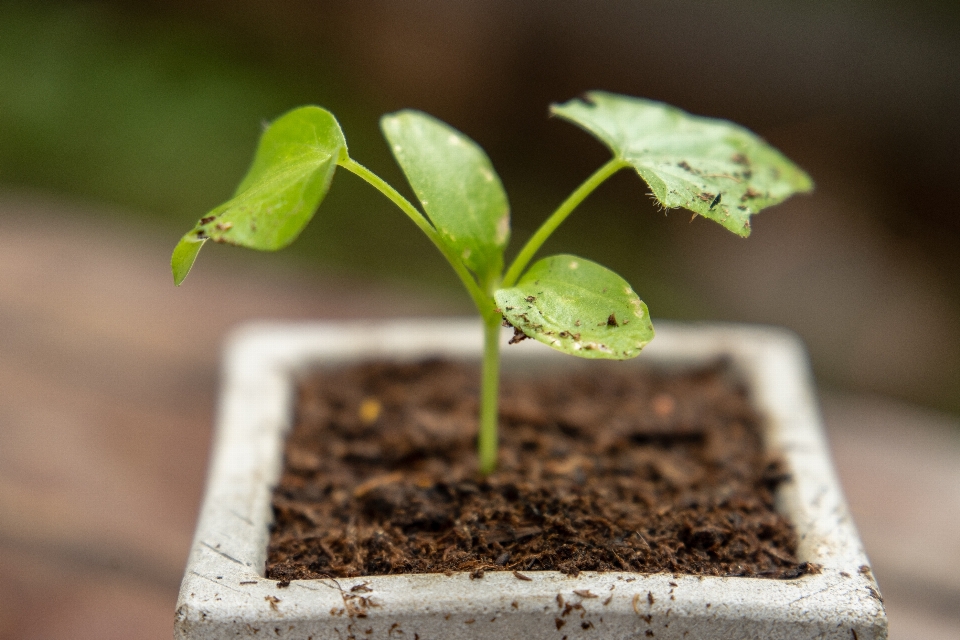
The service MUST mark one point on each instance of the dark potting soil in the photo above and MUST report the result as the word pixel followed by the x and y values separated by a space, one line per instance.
pixel 613 469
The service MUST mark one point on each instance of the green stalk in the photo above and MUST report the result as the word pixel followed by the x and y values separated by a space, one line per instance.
pixel 490 381
pixel 483 302
pixel 490 377
pixel 489 391
pixel 550 224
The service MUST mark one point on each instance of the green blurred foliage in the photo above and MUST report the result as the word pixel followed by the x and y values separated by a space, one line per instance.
pixel 156 118
pixel 161 117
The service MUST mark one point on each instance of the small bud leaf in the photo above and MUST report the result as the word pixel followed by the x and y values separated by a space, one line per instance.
pixel 457 186
pixel 712 167
pixel 578 307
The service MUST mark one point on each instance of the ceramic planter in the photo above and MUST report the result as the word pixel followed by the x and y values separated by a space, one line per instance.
pixel 224 593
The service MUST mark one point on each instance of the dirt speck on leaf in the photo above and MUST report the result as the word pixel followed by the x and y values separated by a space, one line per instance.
pixel 518 336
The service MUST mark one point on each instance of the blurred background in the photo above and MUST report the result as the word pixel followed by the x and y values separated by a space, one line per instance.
pixel 122 122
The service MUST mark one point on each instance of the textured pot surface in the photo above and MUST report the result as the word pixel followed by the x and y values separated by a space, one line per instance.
pixel 225 595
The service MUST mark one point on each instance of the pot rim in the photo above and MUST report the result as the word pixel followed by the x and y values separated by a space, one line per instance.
pixel 224 592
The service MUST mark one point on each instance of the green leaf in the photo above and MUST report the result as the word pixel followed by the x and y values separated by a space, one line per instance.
pixel 290 175
pixel 184 255
pixel 712 167
pixel 578 307
pixel 457 186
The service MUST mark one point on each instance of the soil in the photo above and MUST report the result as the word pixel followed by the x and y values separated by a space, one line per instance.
pixel 608 469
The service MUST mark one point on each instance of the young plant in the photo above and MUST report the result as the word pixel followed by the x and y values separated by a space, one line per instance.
pixel 714 168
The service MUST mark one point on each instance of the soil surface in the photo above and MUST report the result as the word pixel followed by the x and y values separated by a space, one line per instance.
pixel 611 469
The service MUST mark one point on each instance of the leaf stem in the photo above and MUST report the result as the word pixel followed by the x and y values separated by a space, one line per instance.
pixel 489 394
pixel 550 224
pixel 490 379
pixel 482 300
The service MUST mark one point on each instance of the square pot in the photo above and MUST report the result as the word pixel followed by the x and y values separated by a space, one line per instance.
pixel 224 593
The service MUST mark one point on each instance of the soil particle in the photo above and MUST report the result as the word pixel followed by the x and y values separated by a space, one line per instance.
pixel 614 469
pixel 518 335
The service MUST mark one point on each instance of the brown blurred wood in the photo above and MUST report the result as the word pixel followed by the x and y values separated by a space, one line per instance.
pixel 900 469
pixel 107 384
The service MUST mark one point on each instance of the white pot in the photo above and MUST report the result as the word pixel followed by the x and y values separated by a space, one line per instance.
pixel 224 593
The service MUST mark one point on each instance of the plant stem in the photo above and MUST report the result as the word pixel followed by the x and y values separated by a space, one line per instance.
pixel 490 377
pixel 483 301
pixel 550 224
pixel 489 394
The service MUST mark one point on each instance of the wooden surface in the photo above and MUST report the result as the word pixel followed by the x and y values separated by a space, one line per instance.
pixel 107 384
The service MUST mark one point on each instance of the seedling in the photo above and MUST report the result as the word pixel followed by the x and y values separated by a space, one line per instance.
pixel 714 168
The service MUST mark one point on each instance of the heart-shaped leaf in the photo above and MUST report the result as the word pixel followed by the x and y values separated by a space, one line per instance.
pixel 290 175
pixel 457 186
pixel 578 307
pixel 712 167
